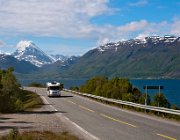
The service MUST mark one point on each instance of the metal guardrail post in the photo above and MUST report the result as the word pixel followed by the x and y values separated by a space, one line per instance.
pixel 146 107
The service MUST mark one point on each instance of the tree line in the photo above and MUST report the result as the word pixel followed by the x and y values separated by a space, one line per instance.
pixel 122 89
pixel 12 97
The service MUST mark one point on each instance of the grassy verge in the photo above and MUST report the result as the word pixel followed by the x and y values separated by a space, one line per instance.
pixel 18 101
pixel 31 100
pixel 36 135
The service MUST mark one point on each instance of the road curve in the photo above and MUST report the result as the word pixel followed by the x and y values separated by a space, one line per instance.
pixel 111 123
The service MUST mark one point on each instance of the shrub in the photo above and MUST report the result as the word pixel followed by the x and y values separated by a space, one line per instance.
pixel 161 101
pixel 35 84
pixel 12 98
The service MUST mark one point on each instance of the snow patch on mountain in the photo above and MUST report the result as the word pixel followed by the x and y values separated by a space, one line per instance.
pixel 59 57
pixel 22 45
pixel 140 41
pixel 28 51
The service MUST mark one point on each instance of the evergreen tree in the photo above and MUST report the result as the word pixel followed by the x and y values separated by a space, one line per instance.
pixel 161 101
pixel 122 89
pixel 10 94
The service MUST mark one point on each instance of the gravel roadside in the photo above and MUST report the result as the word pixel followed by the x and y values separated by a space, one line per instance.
pixel 41 119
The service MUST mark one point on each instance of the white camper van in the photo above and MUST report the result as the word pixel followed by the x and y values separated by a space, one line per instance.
pixel 53 89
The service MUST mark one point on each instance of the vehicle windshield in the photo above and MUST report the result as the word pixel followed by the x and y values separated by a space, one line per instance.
pixel 54 88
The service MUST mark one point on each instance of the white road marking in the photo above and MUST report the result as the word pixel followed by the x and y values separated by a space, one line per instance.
pixel 76 125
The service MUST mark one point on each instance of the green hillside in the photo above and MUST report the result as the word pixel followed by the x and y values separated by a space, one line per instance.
pixel 131 62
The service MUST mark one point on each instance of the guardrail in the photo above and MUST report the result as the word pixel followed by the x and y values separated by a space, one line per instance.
pixel 145 107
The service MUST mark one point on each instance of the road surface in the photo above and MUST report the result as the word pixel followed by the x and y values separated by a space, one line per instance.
pixel 111 123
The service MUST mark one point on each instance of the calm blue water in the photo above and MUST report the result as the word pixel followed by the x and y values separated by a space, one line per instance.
pixel 171 87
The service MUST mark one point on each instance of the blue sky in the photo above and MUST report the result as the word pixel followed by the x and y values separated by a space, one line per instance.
pixel 72 27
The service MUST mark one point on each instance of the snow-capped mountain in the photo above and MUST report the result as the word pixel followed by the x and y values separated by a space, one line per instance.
pixel 28 51
pixel 20 66
pixel 153 56
pixel 59 57
pixel 151 41
pixel 150 57
pixel 4 53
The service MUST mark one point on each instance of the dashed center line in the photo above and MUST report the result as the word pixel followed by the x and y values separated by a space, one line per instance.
pixel 113 119
pixel 118 120
pixel 85 108
pixel 103 115
pixel 167 137
pixel 71 102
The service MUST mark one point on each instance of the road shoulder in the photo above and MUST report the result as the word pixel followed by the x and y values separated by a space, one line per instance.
pixel 41 119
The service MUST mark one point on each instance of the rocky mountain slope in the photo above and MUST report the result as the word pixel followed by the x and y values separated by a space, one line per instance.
pixel 28 51
pixel 20 66
pixel 29 58
pixel 152 57
pixel 59 57
pixel 59 66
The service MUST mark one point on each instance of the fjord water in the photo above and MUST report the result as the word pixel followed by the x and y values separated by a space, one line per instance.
pixel 171 86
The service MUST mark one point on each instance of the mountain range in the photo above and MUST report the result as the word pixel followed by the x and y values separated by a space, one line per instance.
pixel 28 51
pixel 20 66
pixel 29 56
pixel 151 57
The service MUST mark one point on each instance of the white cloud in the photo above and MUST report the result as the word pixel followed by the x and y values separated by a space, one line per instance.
pixel 133 26
pixel 138 29
pixel 5 48
pixel 67 50
pixel 71 19
pixel 102 41
pixel 175 27
pixel 142 36
pixel 65 18
pixel 139 3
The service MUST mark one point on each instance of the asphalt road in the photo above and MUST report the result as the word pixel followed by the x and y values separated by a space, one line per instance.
pixel 111 123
